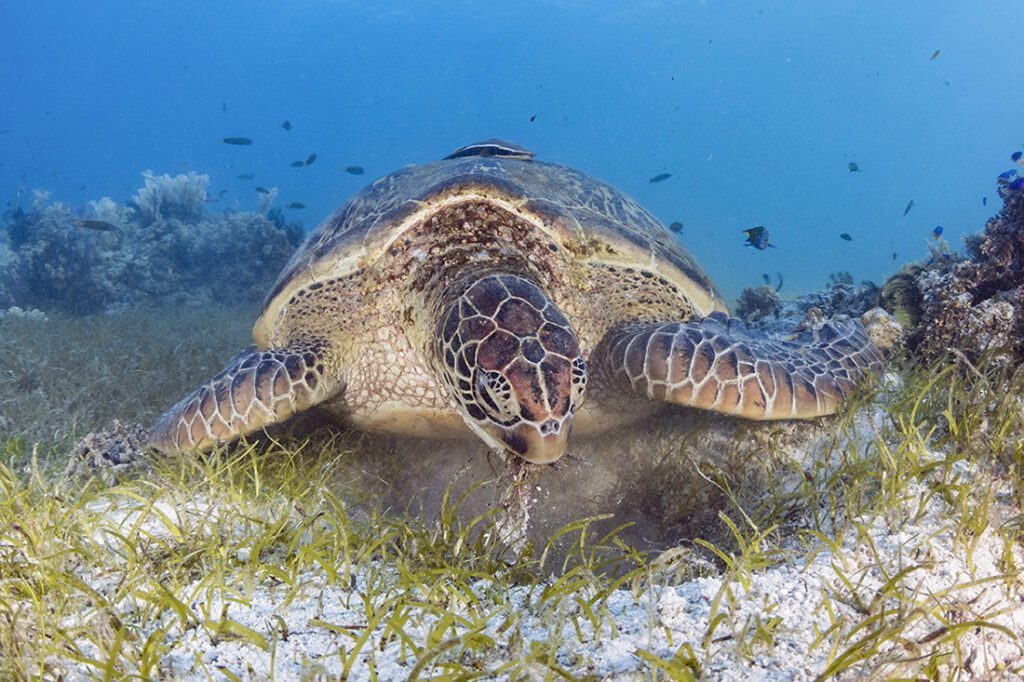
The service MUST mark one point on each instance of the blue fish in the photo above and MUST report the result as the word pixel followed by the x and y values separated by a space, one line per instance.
pixel 984 201
pixel 1017 184
pixel 758 238
pixel 1006 175
pixel 1016 156
pixel 937 231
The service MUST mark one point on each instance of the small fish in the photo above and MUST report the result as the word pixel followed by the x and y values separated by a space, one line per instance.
pixel 222 192
pixel 5 131
pixel 660 177
pixel 894 255
pixel 984 201
pixel 298 164
pixel 224 105
pixel 240 141
pixel 245 176
pixel 853 167
pixel 287 125
pixel 676 226
pixel 310 159
pixel 910 205
pixel 1006 175
pixel 1016 156
pixel 98 225
pixel 533 118
pixel 845 236
pixel 758 238
pixel 263 190
pixel 354 170
pixel 937 231
pixel 1017 184
pixel 296 204
pixel 935 55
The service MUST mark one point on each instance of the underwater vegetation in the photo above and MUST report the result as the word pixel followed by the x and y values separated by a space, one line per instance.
pixel 973 304
pixel 160 247
pixel 894 553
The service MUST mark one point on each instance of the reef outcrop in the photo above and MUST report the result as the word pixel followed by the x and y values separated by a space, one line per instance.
pixel 973 304
pixel 763 309
pixel 160 247
pixel 8 261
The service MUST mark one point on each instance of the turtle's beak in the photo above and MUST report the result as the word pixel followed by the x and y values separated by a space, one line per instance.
pixel 539 444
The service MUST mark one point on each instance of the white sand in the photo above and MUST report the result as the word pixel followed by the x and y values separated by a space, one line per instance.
pixel 945 588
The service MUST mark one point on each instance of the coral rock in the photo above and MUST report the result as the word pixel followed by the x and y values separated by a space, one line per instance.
pixel 756 304
pixel 976 306
pixel 164 250
pixel 101 452
pixel 762 309
pixel 182 197
pixel 883 329
pixel 8 263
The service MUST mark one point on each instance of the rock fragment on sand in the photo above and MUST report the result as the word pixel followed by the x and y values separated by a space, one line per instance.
pixel 883 329
pixel 104 452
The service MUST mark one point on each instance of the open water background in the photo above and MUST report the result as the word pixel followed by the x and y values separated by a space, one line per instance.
pixel 755 108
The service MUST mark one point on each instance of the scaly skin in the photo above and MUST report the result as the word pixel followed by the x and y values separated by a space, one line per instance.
pixel 716 364
pixel 512 363
pixel 256 389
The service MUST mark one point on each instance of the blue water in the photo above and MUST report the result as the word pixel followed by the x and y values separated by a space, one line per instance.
pixel 755 108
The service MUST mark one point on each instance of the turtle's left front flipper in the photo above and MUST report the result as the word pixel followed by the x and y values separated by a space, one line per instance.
pixel 718 364
pixel 256 389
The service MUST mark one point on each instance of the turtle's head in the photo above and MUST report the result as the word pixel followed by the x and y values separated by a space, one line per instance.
pixel 513 364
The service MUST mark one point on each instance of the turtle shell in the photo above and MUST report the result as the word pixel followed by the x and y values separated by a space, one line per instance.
pixel 589 217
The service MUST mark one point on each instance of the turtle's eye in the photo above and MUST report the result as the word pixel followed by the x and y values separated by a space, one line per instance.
pixel 579 383
pixel 495 395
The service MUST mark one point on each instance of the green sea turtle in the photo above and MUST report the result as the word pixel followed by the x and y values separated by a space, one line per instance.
pixel 517 300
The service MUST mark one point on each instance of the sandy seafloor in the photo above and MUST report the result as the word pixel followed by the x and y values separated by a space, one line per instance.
pixel 91 370
pixel 161 356
pixel 660 620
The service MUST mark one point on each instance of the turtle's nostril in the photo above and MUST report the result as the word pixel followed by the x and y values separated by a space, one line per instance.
pixel 551 426
pixel 540 443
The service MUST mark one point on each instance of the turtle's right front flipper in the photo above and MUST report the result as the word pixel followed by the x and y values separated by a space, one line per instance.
pixel 717 364
pixel 256 389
